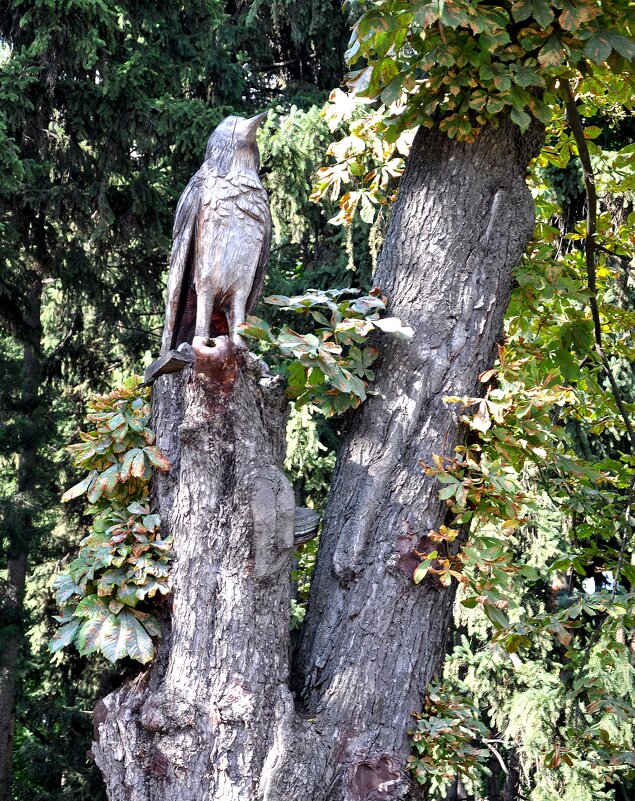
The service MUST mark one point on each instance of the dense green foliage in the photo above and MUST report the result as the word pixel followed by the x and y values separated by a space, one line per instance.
pixel 123 562
pixel 460 64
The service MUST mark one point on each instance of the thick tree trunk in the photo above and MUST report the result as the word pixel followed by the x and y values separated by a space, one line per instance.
pixel 12 608
pixel 197 725
pixel 372 639
pixel 12 601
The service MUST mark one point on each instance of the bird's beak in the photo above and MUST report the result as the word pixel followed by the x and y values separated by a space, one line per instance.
pixel 254 122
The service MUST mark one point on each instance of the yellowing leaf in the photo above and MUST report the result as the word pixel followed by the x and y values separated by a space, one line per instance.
pixel 138 465
pixel 80 488
pixel 422 570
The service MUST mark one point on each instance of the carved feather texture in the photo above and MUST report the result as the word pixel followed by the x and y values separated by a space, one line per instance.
pixel 221 242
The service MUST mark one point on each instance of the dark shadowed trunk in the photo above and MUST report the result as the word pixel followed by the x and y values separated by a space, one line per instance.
pixel 12 598
pixel 214 719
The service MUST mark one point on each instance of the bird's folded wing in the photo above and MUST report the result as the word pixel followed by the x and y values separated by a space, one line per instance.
pixel 183 236
pixel 261 270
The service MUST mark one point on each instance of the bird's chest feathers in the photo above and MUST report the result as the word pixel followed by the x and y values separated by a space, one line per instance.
pixel 237 198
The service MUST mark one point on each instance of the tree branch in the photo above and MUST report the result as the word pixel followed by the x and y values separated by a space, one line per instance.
pixel 575 122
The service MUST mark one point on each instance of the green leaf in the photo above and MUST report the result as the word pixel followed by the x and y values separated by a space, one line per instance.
pixel 115 421
pixel 625 47
pixel 520 117
pixel 106 481
pixel 526 76
pixel 422 570
pixel 152 522
pixel 337 377
pixel 63 636
pixel 156 458
pixel 257 328
pixel 522 10
pixel 138 465
pixel 112 642
pixel 502 82
pixel 127 594
pixel 150 588
pixel 64 588
pixel 374 22
pixel 541 110
pixel 447 492
pixel 316 377
pixel 392 92
pixel 452 15
pixel 89 635
pixel 529 572
pixel 150 623
pixel 79 488
pixel 383 73
pixel 552 53
pixel 90 605
pixel 599 47
pixel 357 386
pixel 543 13
pixel 359 80
pixel 126 464
pixel 320 318
pixel 137 640
pixel 496 616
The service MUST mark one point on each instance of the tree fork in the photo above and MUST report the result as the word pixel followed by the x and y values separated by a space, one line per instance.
pixel 213 719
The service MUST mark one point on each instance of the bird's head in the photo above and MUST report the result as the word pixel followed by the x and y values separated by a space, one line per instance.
pixel 234 138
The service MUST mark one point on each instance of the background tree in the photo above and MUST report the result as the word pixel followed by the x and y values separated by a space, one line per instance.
pixel 103 109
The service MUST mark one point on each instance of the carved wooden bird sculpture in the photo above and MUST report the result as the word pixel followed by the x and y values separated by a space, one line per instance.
pixel 221 241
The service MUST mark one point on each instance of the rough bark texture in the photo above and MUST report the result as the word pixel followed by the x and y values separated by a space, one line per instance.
pixel 372 639
pixel 197 725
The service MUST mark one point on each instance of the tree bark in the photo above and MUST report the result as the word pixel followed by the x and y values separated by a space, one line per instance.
pixel 372 639
pixel 13 592
pixel 198 724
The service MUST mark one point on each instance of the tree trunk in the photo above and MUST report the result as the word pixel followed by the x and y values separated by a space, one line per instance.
pixel 197 725
pixel 13 591
pixel 372 639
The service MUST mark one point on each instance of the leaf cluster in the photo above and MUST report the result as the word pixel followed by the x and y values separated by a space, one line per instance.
pixel 447 736
pixel 123 562
pixel 460 64
pixel 330 367
pixel 547 434
pixel 363 160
